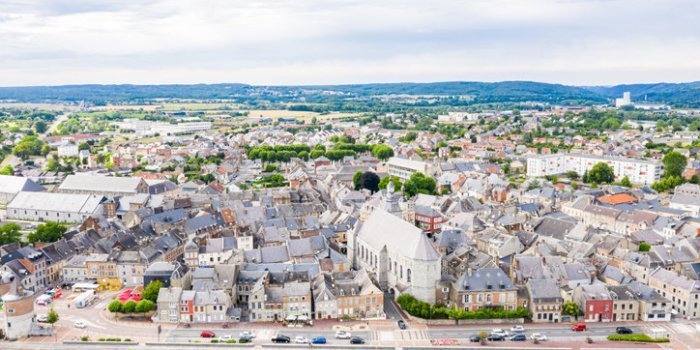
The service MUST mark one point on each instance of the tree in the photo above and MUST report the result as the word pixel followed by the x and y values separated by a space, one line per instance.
pixel 674 163
pixel 601 173
pixel 40 126
pixel 115 306
pixel 7 170
pixel 356 179
pixel 383 152
pixel 10 233
pixel 644 247
pixel 419 183
pixel 47 233
pixel 695 179
pixel 572 174
pixel 151 291
pixel 533 185
pixel 370 181
pixel 571 309
pixel 83 145
pixel 129 307
pixel 52 318
pixel 626 182
pixel 145 306
pixel 385 181
pixel 28 146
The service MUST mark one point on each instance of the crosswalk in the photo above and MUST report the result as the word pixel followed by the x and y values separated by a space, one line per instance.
pixel 399 335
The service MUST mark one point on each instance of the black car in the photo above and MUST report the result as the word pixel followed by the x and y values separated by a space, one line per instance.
pixel 475 339
pixel 518 337
pixel 357 340
pixel 495 337
pixel 281 339
pixel 623 330
pixel 402 324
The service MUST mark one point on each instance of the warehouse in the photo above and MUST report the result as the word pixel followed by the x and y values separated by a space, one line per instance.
pixel 108 186
pixel 11 185
pixel 58 207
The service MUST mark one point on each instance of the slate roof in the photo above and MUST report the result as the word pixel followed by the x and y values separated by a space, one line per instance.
pixel 489 279
pixel 383 229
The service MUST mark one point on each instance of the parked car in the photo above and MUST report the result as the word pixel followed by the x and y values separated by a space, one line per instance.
pixel 623 330
pixel 518 337
pixel 281 339
pixel 495 337
pixel 42 318
pixel 80 324
pixel 579 327
pixel 300 339
pixel 402 324
pixel 500 332
pixel 538 337
pixel 245 339
pixel 342 335
pixel 318 340
pixel 225 338
pixel 357 340
pixel 247 334
pixel 207 334
pixel 517 329
pixel 475 339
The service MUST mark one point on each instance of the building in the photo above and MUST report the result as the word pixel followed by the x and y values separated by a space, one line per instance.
pixel 18 307
pixel 484 288
pixel 68 149
pixel 638 171
pixel 397 254
pixel 108 186
pixel 625 100
pixel 404 168
pixel 625 304
pixel 347 294
pixel 428 219
pixel 683 292
pixel 57 207
pixel 595 301
pixel 545 300
pixel 10 186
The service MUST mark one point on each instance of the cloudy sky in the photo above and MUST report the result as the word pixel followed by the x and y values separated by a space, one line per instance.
pixel 584 42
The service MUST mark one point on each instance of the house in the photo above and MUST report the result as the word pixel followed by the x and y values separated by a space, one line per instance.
pixel 652 305
pixel 625 303
pixel 545 300
pixel 168 304
pixel 347 294
pixel 595 301
pixel 169 273
pixel 683 292
pixel 484 288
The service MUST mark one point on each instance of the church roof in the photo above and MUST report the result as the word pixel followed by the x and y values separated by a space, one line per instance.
pixel 384 229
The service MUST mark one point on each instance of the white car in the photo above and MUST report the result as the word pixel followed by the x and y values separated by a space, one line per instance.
pixel 300 339
pixel 247 334
pixel 343 335
pixel 225 338
pixel 41 318
pixel 538 337
pixel 80 324
pixel 517 329
pixel 500 332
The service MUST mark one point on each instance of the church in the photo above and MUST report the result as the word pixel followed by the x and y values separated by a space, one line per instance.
pixel 398 255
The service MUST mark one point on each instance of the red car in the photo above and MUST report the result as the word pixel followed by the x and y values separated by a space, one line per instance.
pixel 207 334
pixel 579 327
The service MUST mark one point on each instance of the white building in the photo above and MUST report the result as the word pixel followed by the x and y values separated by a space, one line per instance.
pixel 625 100
pixel 58 207
pixel 146 127
pixel 404 168
pixel 398 254
pixel 10 186
pixel 68 149
pixel 638 171
pixel 108 186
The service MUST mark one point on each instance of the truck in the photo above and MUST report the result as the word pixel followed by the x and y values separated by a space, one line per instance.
pixel 84 299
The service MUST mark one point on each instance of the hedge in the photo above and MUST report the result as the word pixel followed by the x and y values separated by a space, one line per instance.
pixel 422 309
pixel 637 337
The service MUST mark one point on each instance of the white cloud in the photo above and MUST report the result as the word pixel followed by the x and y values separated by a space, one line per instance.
pixel 347 41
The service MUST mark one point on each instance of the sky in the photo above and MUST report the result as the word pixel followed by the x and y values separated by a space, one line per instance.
pixel 302 42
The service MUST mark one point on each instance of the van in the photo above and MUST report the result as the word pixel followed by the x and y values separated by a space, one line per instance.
pixel 579 327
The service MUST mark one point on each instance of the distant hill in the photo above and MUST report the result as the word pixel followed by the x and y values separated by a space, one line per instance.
pixel 680 95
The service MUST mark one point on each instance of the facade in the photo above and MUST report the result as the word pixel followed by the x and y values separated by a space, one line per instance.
pixel 638 171
pixel 397 254
pixel 545 300
pixel 404 168
pixel 484 288
pixel 595 302
pixel 57 207
pixel 683 292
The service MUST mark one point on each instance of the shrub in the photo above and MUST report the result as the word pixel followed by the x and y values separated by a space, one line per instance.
pixel 422 309
pixel 231 341
pixel 637 337
pixel 127 339
pixel 214 341
pixel 84 338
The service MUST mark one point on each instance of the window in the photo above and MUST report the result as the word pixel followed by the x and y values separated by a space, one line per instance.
pixel 408 275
